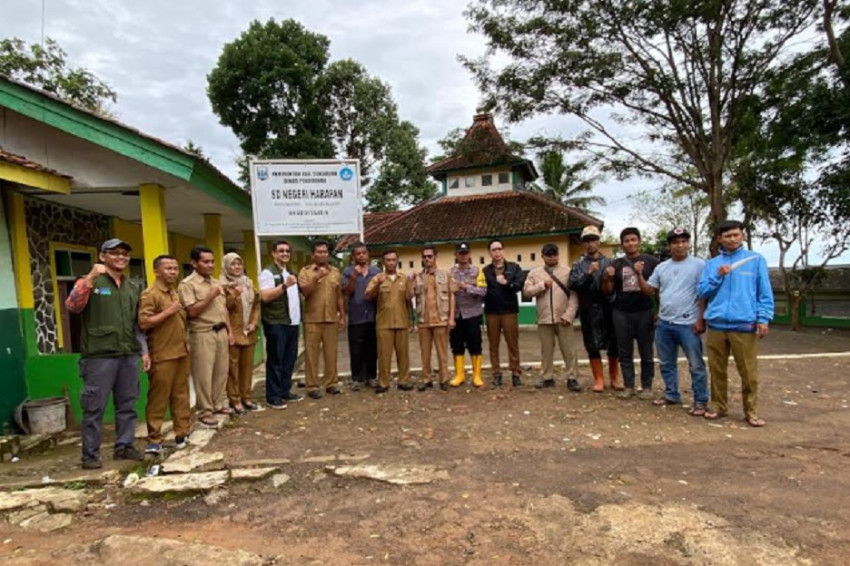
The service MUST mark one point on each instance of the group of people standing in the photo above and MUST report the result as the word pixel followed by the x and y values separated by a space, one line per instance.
pixel 207 327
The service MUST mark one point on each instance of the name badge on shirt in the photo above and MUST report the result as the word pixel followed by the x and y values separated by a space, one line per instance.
pixel 105 291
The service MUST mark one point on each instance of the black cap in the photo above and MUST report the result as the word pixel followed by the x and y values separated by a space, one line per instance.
pixel 115 243
pixel 550 249
pixel 462 247
pixel 678 232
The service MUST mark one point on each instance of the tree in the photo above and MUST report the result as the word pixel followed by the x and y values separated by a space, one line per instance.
pixel 453 144
pixel 267 88
pixel 402 179
pixel 46 67
pixel 194 149
pixel 362 114
pixel 566 183
pixel 679 71
pixel 672 206
pixel 274 88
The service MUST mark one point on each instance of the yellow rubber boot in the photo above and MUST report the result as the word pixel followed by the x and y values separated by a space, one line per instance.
pixel 460 376
pixel 476 371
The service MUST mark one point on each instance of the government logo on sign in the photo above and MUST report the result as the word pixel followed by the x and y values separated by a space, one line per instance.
pixel 262 173
pixel 346 174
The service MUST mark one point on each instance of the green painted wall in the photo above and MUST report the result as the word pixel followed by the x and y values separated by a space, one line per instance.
pixel 13 387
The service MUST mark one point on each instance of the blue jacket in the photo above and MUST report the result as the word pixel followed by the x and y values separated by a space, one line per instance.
pixel 741 299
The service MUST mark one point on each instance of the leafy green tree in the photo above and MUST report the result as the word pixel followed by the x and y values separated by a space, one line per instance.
pixel 678 71
pixel 568 183
pixel 194 149
pixel 46 67
pixel 274 87
pixel 402 179
pixel 672 206
pixel 267 87
pixel 362 114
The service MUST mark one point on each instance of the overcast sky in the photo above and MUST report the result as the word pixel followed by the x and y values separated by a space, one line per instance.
pixel 156 55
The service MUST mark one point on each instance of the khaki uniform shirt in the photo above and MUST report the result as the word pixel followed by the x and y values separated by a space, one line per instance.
pixel 553 305
pixel 196 288
pixel 321 306
pixel 167 341
pixel 237 324
pixel 393 305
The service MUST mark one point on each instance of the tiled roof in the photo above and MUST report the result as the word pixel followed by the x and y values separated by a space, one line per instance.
pixel 370 222
pixel 475 217
pixel 22 161
pixel 482 146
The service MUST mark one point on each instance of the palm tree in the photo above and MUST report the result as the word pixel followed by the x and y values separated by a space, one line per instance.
pixel 568 184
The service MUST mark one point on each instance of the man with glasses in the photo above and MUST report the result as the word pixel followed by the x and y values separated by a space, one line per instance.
pixel 324 317
pixel 504 281
pixel 280 313
pixel 110 345
pixel 435 316
pixel 556 310
pixel 466 335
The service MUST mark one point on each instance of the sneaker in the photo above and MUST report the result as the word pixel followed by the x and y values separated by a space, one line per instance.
pixel 626 393
pixel 92 464
pixel 355 386
pixel 373 383
pixel 497 380
pixel 153 448
pixel 379 389
pixel 515 380
pixel 405 386
pixel 279 405
pixel 293 398
pixel 333 390
pixel 128 453
pixel 315 394
pixel 181 442
pixel 425 385
pixel 646 395
pixel 543 383
pixel 572 385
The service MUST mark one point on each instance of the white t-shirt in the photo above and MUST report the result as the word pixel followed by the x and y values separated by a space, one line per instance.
pixel 266 280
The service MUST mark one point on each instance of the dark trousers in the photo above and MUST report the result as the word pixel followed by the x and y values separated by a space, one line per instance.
pixel 281 351
pixel 363 351
pixel 631 326
pixel 466 335
pixel 119 377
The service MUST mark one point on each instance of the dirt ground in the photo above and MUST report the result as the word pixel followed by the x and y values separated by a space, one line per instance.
pixel 535 477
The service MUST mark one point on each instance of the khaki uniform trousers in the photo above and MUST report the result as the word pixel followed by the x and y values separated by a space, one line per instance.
pixel 322 334
pixel 743 346
pixel 168 388
pixel 565 336
pixel 240 374
pixel 210 363
pixel 389 340
pixel 439 337
pixel 507 324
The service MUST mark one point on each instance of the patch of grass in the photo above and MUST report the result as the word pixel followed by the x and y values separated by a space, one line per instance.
pixel 76 485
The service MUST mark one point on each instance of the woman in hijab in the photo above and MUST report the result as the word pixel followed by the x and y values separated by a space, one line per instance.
pixel 243 305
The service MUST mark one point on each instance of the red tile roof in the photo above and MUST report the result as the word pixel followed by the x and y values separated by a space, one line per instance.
pixel 482 146
pixel 451 219
pixel 22 161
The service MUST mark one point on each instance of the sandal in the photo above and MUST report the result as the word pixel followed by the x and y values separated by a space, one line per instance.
pixel 697 411
pixel 661 401
pixel 224 411
pixel 208 421
pixel 713 415
pixel 238 409
pixel 249 406
pixel 755 422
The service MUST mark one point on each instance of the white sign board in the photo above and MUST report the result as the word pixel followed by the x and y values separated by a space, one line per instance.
pixel 306 197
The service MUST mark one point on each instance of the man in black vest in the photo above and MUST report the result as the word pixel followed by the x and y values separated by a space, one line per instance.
pixel 110 345
pixel 281 315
